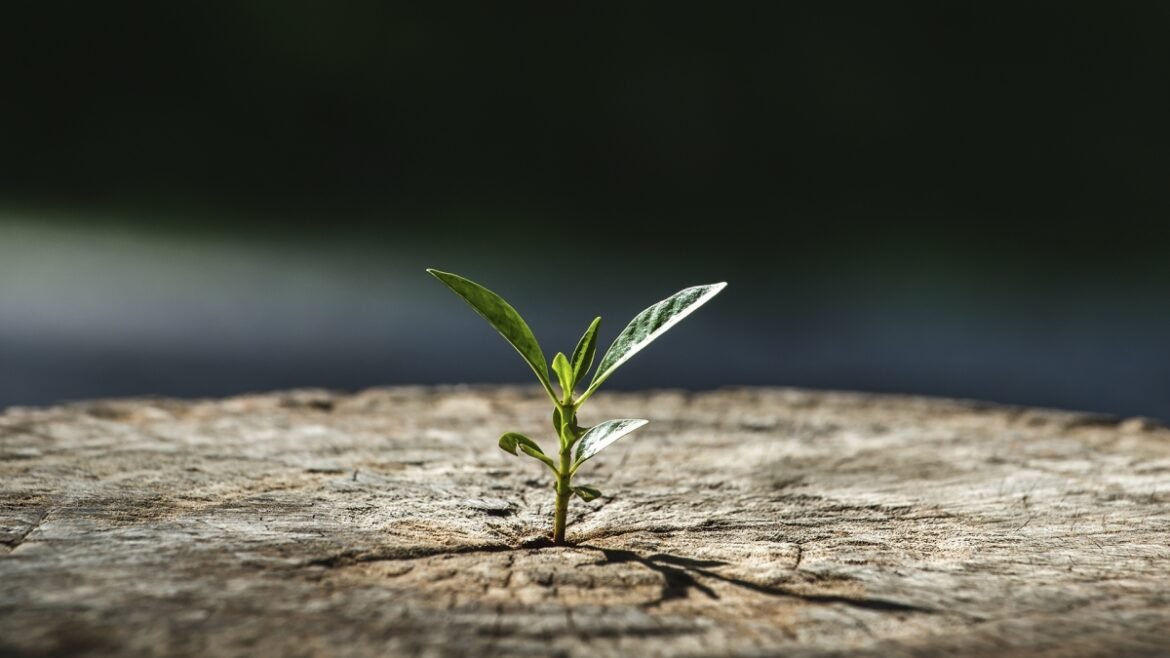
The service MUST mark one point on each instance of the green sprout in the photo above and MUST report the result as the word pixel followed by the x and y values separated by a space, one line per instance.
pixel 577 444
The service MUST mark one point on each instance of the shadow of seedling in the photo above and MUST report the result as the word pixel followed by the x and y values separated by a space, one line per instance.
pixel 677 583
pixel 679 577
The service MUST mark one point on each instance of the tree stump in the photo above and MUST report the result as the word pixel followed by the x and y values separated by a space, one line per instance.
pixel 739 522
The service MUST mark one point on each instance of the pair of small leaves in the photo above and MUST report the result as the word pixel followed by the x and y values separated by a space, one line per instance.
pixel 510 442
pixel 593 441
pixel 640 332
pixel 571 370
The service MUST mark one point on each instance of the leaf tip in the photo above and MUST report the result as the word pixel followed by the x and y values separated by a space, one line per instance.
pixel 637 424
pixel 508 443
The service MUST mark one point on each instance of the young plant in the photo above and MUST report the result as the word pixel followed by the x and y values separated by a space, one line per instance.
pixel 577 444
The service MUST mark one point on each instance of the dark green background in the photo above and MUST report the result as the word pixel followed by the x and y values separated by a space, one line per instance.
pixel 962 199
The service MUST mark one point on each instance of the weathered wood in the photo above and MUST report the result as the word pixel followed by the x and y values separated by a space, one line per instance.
pixel 743 522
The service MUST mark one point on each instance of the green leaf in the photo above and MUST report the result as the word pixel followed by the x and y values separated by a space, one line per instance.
pixel 601 435
pixel 586 493
pixel 567 431
pixel 648 325
pixel 503 318
pixel 584 352
pixel 510 441
pixel 560 365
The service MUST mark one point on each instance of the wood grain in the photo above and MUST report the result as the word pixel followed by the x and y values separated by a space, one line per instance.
pixel 740 522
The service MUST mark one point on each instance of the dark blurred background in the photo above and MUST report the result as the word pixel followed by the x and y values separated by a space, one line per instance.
pixel 963 199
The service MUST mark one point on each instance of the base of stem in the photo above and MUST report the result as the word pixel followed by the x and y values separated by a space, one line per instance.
pixel 562 512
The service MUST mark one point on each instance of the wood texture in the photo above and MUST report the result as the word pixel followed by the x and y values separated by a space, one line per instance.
pixel 739 522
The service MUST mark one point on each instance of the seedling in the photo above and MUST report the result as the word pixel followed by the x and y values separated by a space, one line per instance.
pixel 577 444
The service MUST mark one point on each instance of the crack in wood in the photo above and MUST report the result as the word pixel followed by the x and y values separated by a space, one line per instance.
pixel 347 558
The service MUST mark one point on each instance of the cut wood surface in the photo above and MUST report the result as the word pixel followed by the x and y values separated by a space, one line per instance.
pixel 740 522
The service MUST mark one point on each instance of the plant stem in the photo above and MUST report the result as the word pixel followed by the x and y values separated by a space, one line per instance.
pixel 564 493
pixel 564 486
